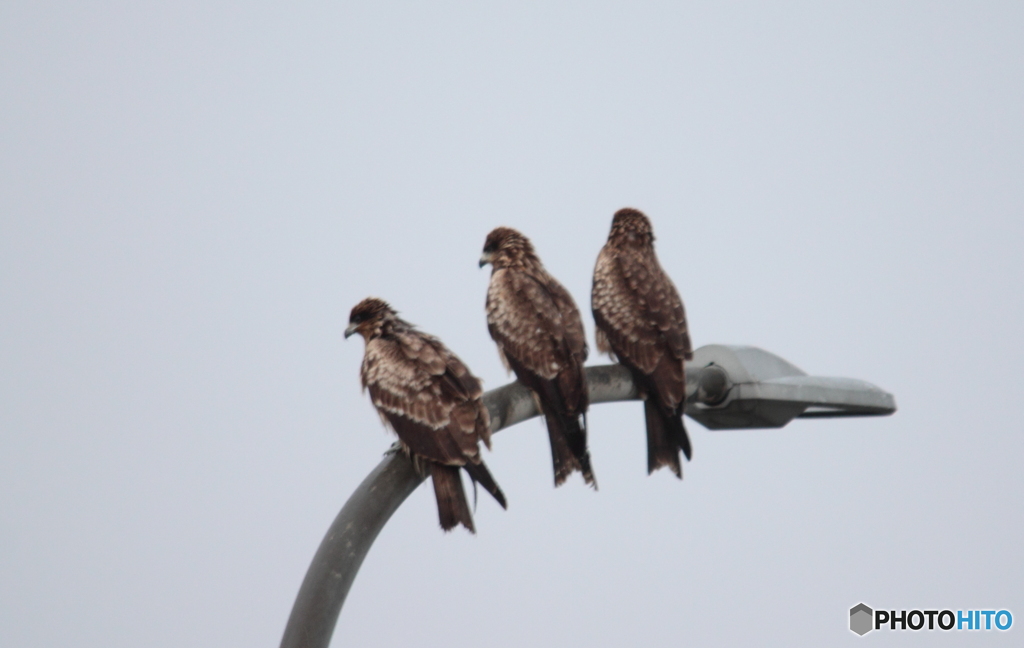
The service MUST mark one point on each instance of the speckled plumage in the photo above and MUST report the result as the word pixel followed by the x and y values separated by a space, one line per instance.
pixel 641 322
pixel 430 399
pixel 539 332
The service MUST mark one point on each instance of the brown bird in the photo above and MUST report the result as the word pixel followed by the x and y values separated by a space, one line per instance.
pixel 540 337
pixel 641 323
pixel 429 398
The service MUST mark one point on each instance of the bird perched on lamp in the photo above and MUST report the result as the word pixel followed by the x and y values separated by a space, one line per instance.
pixel 428 397
pixel 537 327
pixel 641 322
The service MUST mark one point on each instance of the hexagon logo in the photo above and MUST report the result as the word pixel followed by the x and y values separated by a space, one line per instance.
pixel 861 618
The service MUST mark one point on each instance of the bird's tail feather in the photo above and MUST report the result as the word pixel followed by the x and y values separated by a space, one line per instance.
pixel 452 507
pixel 480 475
pixel 666 435
pixel 569 448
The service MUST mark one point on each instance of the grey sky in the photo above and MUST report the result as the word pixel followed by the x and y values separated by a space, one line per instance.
pixel 193 196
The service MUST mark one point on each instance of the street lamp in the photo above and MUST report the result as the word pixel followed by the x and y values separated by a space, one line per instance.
pixel 728 388
pixel 738 387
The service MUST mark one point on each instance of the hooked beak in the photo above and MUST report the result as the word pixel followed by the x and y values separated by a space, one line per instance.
pixel 350 330
pixel 486 258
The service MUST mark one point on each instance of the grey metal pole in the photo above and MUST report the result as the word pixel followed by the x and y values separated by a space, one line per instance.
pixel 343 549
pixel 727 388
pixel 350 537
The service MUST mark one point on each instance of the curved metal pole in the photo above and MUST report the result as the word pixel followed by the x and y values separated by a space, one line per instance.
pixel 347 542
pixel 727 387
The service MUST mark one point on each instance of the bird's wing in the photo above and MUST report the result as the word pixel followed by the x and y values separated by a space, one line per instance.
pixel 426 395
pixel 526 322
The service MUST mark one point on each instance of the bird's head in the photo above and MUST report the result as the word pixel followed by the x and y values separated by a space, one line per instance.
pixel 506 247
pixel 631 225
pixel 368 317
